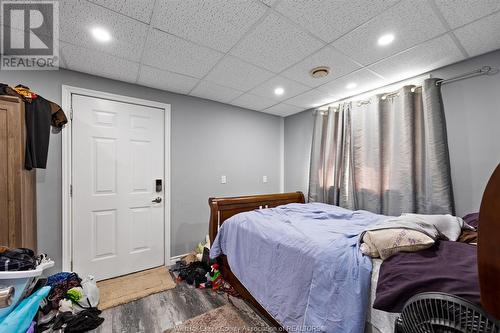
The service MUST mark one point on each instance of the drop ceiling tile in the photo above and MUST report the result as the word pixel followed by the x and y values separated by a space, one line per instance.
pixel 15 31
pixel 269 3
pixel 77 17
pixel 412 22
pixel 420 59
pixel 165 80
pixel 311 99
pixel 216 23
pixel 458 13
pixel 175 54
pixel 233 72
pixel 283 110
pixel 481 36
pixel 363 79
pixel 215 92
pixel 140 10
pixel 276 44
pixel 291 88
pixel 327 56
pixel 253 102
pixel 329 19
pixel 97 63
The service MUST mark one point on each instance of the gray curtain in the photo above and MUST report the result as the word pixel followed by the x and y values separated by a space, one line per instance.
pixel 388 156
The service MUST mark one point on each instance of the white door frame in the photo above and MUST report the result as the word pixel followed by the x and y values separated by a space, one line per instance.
pixel 67 204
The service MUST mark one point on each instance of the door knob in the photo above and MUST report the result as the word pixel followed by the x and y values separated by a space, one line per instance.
pixel 156 200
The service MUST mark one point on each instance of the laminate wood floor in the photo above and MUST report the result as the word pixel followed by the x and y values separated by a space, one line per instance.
pixel 158 312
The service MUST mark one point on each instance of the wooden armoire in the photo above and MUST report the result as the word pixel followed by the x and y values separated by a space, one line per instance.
pixel 17 185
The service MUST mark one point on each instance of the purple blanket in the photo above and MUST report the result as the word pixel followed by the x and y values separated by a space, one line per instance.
pixel 448 267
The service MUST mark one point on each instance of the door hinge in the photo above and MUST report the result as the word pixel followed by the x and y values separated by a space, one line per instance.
pixel 71 190
pixel 71 113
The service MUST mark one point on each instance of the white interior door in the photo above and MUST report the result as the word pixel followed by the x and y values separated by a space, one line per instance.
pixel 117 159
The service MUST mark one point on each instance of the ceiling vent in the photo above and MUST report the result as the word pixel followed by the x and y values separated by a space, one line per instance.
pixel 319 72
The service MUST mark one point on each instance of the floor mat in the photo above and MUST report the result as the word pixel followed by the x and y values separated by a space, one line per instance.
pixel 128 288
pixel 234 317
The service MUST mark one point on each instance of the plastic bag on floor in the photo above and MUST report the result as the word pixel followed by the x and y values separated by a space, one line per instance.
pixel 90 292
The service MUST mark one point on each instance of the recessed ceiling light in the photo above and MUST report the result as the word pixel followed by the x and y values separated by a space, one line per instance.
pixel 351 85
pixel 100 34
pixel 319 72
pixel 385 39
pixel 279 91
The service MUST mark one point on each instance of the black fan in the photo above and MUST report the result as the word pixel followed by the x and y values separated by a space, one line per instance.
pixel 444 313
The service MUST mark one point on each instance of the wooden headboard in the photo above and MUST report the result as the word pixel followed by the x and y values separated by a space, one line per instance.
pixel 488 247
pixel 223 208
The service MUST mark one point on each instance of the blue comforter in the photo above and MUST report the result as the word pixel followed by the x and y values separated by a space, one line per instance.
pixel 302 263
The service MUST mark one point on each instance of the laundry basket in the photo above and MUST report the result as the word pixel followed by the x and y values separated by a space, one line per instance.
pixel 16 285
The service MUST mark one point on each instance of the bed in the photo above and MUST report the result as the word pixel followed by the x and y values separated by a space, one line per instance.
pixel 311 304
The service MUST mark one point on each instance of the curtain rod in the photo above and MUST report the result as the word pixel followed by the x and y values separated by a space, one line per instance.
pixel 485 70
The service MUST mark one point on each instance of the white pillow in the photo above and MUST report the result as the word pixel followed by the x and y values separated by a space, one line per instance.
pixel 447 225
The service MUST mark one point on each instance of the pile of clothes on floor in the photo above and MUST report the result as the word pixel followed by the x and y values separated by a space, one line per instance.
pixel 63 302
pixel 70 306
pixel 199 270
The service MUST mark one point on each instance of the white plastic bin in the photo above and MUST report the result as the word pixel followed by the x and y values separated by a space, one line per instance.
pixel 16 285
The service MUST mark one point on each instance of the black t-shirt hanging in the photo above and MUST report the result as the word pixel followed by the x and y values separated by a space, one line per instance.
pixel 38 120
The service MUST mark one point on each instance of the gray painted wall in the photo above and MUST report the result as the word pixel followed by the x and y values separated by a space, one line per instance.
pixel 208 139
pixel 472 108
pixel 298 139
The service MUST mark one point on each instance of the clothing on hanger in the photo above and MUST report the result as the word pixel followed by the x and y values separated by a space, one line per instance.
pixel 26 93
pixel 40 114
